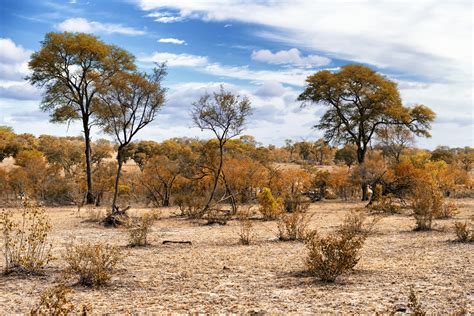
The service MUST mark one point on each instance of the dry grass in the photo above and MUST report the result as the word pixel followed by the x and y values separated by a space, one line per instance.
pixel 217 275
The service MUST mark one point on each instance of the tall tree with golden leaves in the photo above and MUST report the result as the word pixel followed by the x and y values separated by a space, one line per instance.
pixel 72 68
pixel 359 102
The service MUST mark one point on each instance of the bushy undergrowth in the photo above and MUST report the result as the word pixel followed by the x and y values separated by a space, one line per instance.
pixel 426 202
pixel 139 229
pixel 26 246
pixel 337 253
pixel 92 263
pixel 270 207
pixel 293 226
pixel 464 231
pixel 246 228
pixel 55 302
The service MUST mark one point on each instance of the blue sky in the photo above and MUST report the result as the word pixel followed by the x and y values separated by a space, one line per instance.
pixel 262 49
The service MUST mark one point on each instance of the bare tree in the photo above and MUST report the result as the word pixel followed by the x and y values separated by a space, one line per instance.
pixel 130 104
pixel 224 114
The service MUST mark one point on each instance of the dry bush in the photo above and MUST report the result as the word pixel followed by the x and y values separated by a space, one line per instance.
pixel 386 205
pixel 415 307
pixel 356 224
pixel 295 203
pixel 270 207
pixel 94 215
pixel 93 263
pixel 26 247
pixel 293 226
pixel 139 229
pixel 246 233
pixel 190 206
pixel 216 215
pixel 464 231
pixel 448 210
pixel 426 201
pixel 54 302
pixel 333 255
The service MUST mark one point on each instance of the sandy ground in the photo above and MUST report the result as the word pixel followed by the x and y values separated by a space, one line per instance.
pixel 217 275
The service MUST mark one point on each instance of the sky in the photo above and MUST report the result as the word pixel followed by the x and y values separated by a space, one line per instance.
pixel 261 49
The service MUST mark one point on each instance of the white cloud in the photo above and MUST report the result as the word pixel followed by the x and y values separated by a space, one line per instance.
pixel 176 60
pixel 291 56
pixel 86 26
pixel 424 38
pixel 165 17
pixel 172 41
pixel 201 63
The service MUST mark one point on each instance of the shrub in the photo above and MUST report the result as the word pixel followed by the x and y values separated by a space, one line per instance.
pixel 269 206
pixel 386 205
pixel 355 224
pixel 293 226
pixel 94 215
pixel 139 228
pixel 190 206
pixel 331 256
pixel 447 210
pixel 295 203
pixel 246 233
pixel 54 301
pixel 26 247
pixel 93 263
pixel 464 232
pixel 426 201
pixel 415 307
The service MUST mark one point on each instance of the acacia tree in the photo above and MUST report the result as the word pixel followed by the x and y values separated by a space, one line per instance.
pixel 360 102
pixel 224 114
pixel 72 68
pixel 129 104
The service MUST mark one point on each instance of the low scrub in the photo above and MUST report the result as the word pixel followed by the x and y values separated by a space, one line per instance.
pixel 92 263
pixel 140 228
pixel 426 202
pixel 464 231
pixel 55 301
pixel 25 242
pixel 269 207
pixel 329 257
pixel 293 226
pixel 447 210
pixel 246 228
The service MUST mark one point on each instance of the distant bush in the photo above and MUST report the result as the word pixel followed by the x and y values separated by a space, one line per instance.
pixel 94 215
pixel 426 201
pixel 293 226
pixel 26 247
pixel 246 234
pixel 54 301
pixel 268 205
pixel 464 231
pixel 139 229
pixel 93 263
pixel 386 204
pixel 447 210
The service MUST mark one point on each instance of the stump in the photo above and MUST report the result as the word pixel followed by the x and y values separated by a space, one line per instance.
pixel 117 217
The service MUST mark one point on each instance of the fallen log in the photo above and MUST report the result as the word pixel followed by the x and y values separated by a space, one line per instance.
pixel 177 242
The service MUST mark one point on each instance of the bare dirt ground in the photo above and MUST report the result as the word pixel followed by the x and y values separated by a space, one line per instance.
pixel 217 275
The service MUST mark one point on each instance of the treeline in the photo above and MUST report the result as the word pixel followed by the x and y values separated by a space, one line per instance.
pixel 180 171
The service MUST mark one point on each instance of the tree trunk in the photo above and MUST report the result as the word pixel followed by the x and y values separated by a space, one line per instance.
pixel 89 194
pixel 166 197
pixel 360 160
pixel 117 180
pixel 216 177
